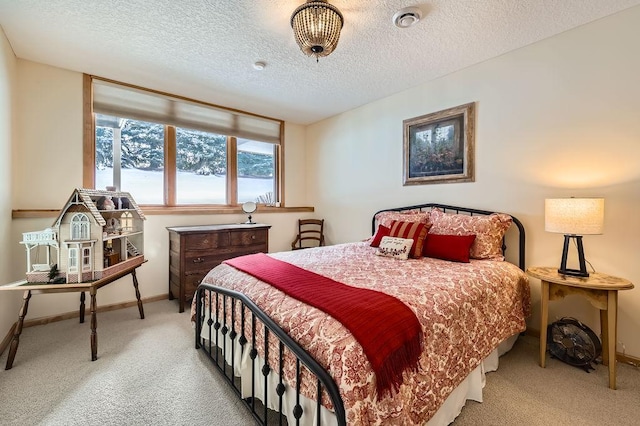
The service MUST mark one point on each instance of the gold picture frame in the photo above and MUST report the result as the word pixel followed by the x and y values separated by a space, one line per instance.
pixel 439 147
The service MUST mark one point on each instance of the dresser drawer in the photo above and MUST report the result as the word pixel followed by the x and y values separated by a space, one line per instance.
pixel 191 283
pixel 195 262
pixel 247 238
pixel 206 241
pixel 188 282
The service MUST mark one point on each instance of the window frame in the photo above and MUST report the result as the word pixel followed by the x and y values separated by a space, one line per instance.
pixel 170 155
pixel 80 227
pixel 126 221
pixel 86 259
pixel 72 265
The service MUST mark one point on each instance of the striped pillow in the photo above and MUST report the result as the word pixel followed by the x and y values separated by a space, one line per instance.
pixel 417 231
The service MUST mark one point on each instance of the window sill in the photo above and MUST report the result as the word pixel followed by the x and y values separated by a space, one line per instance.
pixel 162 210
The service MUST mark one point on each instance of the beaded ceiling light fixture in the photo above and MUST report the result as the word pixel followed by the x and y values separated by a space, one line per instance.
pixel 316 26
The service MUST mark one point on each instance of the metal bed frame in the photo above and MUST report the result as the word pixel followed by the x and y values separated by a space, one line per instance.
pixel 228 304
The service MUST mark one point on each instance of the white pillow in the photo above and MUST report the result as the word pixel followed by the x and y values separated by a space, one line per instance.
pixel 395 247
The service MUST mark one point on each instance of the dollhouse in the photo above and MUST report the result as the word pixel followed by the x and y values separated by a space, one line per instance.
pixel 97 234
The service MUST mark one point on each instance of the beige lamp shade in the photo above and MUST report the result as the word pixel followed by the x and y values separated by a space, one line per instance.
pixel 574 216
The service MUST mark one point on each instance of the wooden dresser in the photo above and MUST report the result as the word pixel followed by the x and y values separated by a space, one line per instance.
pixel 195 250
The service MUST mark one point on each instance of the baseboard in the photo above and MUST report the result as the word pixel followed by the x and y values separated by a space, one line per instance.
pixel 620 357
pixel 75 314
pixel 627 359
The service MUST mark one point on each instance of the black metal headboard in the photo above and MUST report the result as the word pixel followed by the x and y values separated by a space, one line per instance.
pixel 463 210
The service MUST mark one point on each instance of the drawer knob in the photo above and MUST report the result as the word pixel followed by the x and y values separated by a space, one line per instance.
pixel 253 237
pixel 198 260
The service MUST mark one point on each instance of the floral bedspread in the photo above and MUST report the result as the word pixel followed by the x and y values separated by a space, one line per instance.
pixel 465 311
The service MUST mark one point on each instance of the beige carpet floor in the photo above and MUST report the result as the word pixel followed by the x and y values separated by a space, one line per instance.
pixel 148 373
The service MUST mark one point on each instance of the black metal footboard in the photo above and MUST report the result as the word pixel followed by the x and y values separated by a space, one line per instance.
pixel 225 310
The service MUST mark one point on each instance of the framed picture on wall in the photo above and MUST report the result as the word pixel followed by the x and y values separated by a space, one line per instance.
pixel 439 147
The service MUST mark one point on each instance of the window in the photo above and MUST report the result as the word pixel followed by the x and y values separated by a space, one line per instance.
pixel 86 259
pixel 73 259
pixel 130 156
pixel 80 227
pixel 126 222
pixel 201 163
pixel 256 171
pixel 170 151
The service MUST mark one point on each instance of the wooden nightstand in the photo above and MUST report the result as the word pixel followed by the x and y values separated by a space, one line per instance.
pixel 600 289
pixel 195 250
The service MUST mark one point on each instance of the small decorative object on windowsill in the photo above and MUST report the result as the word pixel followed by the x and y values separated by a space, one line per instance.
pixel 268 199
pixel 574 217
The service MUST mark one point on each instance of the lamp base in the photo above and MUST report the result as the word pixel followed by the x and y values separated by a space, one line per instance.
pixel 582 272
pixel 573 272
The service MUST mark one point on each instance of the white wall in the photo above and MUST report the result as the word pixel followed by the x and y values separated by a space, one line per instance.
pixel 9 301
pixel 555 119
pixel 48 159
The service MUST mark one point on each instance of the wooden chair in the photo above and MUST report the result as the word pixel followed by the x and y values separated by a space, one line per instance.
pixel 310 231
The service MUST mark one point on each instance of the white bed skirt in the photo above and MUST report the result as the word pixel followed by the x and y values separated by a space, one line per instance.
pixel 469 389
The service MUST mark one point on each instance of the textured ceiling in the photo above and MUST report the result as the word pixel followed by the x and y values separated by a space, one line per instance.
pixel 205 49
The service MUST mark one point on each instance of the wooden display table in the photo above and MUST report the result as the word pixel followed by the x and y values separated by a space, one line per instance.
pixel 599 289
pixel 92 287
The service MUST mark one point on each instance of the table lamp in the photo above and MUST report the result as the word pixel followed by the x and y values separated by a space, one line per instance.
pixel 574 217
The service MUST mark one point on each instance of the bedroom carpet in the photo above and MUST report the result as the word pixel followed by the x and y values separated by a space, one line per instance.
pixel 148 373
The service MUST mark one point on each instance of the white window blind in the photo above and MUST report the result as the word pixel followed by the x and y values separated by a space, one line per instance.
pixel 128 102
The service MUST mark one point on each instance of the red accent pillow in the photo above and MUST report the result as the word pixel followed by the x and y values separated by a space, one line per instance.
pixel 449 247
pixel 417 231
pixel 383 231
pixel 488 230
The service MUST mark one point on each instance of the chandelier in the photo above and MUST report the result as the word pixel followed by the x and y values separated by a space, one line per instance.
pixel 316 26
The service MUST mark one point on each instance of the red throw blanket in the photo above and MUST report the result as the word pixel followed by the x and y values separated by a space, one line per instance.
pixel 386 328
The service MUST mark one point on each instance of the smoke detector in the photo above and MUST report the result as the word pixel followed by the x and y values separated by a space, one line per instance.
pixel 407 17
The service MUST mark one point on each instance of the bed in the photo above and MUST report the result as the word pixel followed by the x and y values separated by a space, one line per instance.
pixel 318 374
